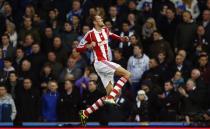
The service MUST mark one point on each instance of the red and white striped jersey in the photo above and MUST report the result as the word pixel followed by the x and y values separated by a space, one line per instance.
pixel 101 39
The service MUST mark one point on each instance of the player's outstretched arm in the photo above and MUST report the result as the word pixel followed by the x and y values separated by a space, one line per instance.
pixel 117 37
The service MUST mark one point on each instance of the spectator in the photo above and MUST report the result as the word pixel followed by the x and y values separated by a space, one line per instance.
pixel 134 40
pixel 59 50
pixel 29 11
pixel 137 65
pixel 114 18
pixel 28 102
pixel 19 57
pixel 36 58
pixel 50 103
pixel 168 25
pixel 7 48
pixel 68 36
pixel 154 75
pixel 46 76
pixel 146 11
pixel 185 32
pixel 177 80
pixel 192 7
pixel 119 59
pixel 47 39
pixel 204 68
pixel 8 13
pixel 128 33
pixel 56 66
pixel 82 83
pixel 76 10
pixel 147 30
pixel 141 4
pixel 27 44
pixel 182 66
pixel 206 23
pixel 160 44
pixel 169 102
pixel 91 96
pixel 11 31
pixel 196 77
pixel 8 108
pixel 193 99
pixel 69 103
pixel 71 70
pixel 28 29
pixel 1 59
pixel 200 43
pixel 140 110
pixel 26 72
pixel 76 24
pixel 6 70
pixel 13 85
pixel 80 62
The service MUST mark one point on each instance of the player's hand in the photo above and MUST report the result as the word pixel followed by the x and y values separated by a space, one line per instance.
pixel 125 39
pixel 91 45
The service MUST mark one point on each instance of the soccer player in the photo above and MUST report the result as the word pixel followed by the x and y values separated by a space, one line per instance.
pixel 97 40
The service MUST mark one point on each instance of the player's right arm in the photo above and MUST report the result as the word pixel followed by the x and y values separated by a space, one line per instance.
pixel 83 44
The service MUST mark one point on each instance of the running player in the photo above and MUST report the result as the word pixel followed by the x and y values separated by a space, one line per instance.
pixel 97 40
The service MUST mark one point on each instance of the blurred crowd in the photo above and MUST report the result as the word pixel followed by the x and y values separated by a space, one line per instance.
pixel 43 77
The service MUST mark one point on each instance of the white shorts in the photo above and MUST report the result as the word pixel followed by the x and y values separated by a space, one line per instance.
pixel 105 70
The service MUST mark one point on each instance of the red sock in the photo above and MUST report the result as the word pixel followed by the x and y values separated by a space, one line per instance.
pixel 117 88
pixel 99 103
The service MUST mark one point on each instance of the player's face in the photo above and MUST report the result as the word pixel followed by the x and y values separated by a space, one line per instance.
pixel 99 21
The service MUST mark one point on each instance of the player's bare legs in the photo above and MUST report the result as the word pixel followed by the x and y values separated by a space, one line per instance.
pixel 109 88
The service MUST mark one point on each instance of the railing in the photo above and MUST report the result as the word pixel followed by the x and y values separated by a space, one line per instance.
pixel 96 124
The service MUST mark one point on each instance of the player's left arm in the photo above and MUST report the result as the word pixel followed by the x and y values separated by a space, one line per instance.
pixel 117 37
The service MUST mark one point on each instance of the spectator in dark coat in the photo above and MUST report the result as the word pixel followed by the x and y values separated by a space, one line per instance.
pixel 28 29
pixel 1 59
pixel 26 72
pixel 196 77
pixel 168 25
pixel 193 99
pixel 180 65
pixel 36 58
pixel 4 73
pixel 56 66
pixel 47 39
pixel 13 85
pixel 204 68
pixel 19 57
pixel 168 102
pixel 206 23
pixel 154 75
pixel 200 43
pixel 69 103
pixel 68 36
pixel 185 32
pixel 49 102
pixel 46 75
pixel 160 44
pixel 119 59
pixel 28 102
pixel 59 50
pixel 114 18
pixel 7 48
